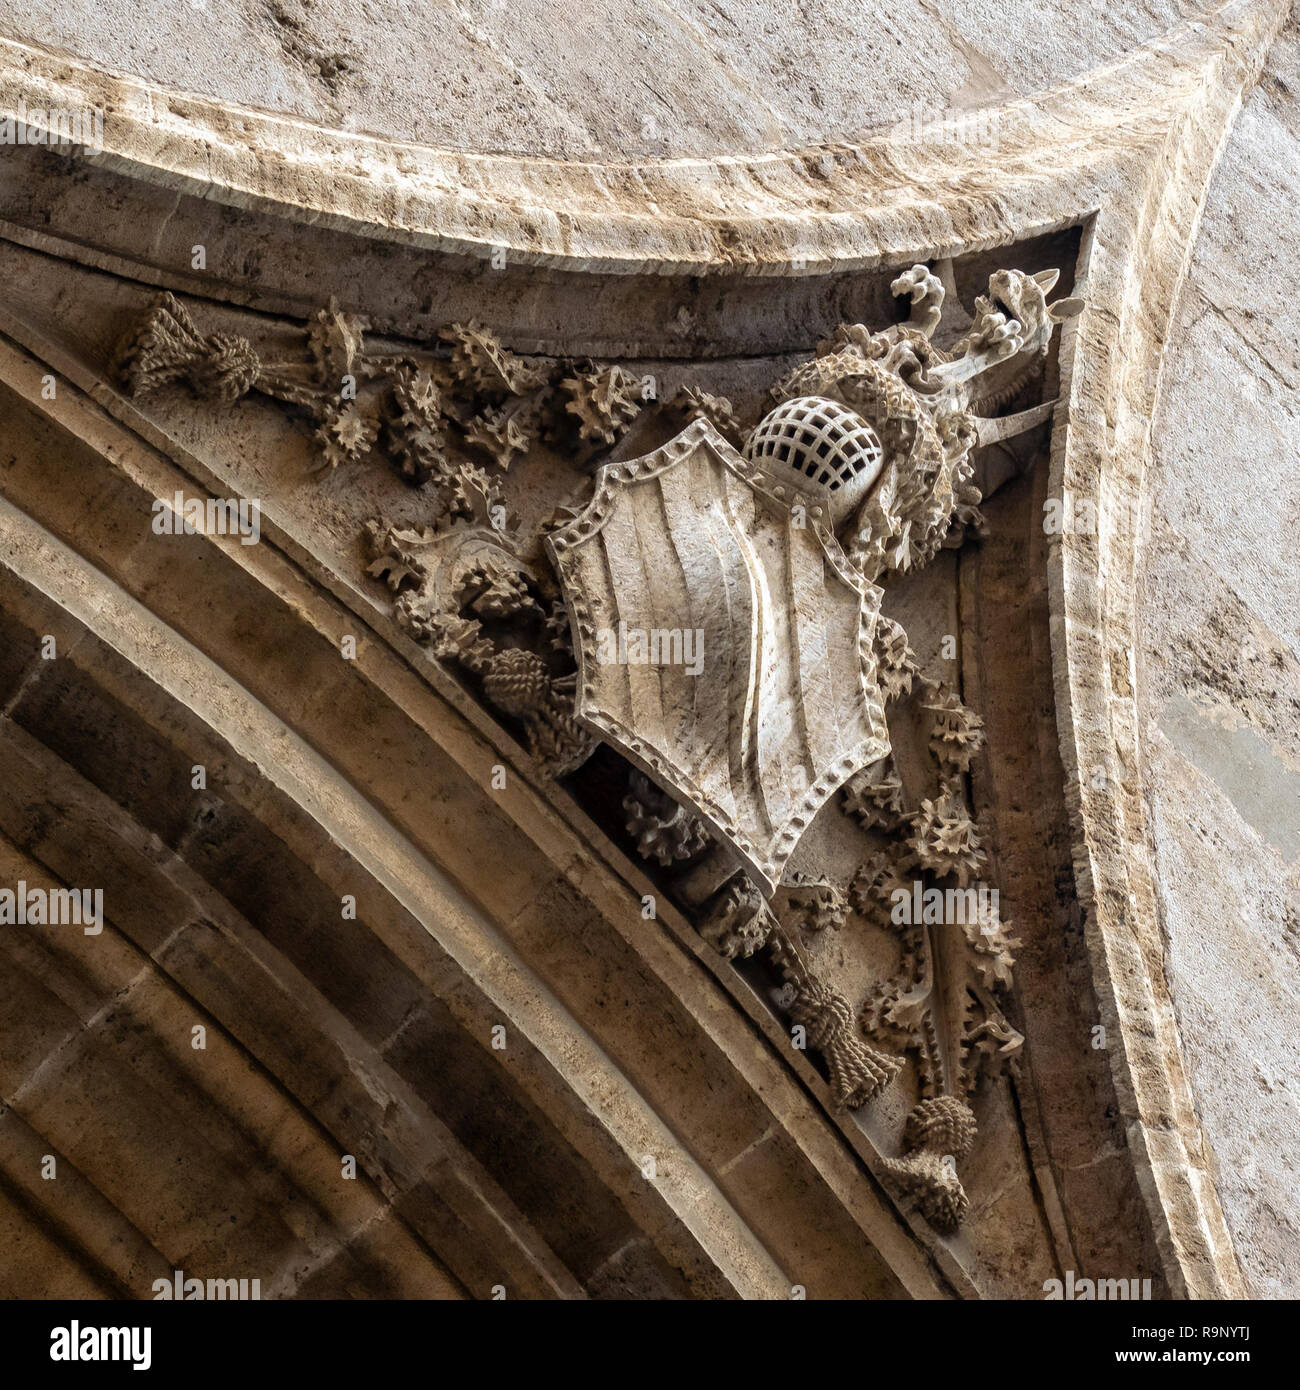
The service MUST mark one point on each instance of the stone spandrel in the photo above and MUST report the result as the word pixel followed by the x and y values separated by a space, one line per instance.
pixel 712 613
pixel 491 614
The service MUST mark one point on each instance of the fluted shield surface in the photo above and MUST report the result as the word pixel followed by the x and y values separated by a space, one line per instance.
pixel 724 643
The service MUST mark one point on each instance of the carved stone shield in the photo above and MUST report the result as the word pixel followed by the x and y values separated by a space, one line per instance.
pixel 724 644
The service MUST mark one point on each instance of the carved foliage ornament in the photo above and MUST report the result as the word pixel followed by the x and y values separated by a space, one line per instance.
pixel 440 419
pixel 718 622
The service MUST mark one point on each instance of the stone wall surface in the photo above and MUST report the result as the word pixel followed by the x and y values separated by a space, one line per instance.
pixel 1176 880
pixel 1220 668
pixel 601 80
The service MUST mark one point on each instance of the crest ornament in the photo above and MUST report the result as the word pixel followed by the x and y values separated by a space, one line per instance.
pixel 696 546
pixel 721 603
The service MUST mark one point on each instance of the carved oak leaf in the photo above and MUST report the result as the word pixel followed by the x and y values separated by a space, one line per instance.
pixel 877 879
pixel 499 435
pixel 663 830
pixel 896 664
pixel 945 841
pixel 482 366
pixel 874 803
pixel 344 435
pixel 413 425
pixel 993 948
pixel 604 401
pixel 495 591
pixel 738 922
pixel 560 627
pixel 718 410
pixel 335 340
pixel 451 637
pixel 988 1041
pixel 395 553
pixel 957 733
pixel 811 904
pixel 417 398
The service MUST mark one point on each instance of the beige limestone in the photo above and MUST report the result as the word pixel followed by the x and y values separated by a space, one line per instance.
pixel 364 778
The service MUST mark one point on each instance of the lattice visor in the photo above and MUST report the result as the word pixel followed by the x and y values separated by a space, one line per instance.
pixel 826 443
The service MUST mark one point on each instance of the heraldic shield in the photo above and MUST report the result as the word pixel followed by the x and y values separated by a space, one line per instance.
pixel 724 643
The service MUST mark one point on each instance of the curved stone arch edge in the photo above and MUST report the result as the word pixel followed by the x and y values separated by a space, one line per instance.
pixel 1135 258
pixel 385 858
pixel 363 605
pixel 875 200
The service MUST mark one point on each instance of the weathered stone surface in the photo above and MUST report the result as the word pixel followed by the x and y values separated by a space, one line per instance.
pixel 662 81
pixel 1221 673
pixel 549 1080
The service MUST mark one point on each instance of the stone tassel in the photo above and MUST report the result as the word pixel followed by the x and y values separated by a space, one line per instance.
pixel 167 348
pixel 858 1071
pixel 938 1134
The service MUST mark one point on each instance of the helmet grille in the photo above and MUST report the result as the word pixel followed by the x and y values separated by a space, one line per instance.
pixel 821 439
